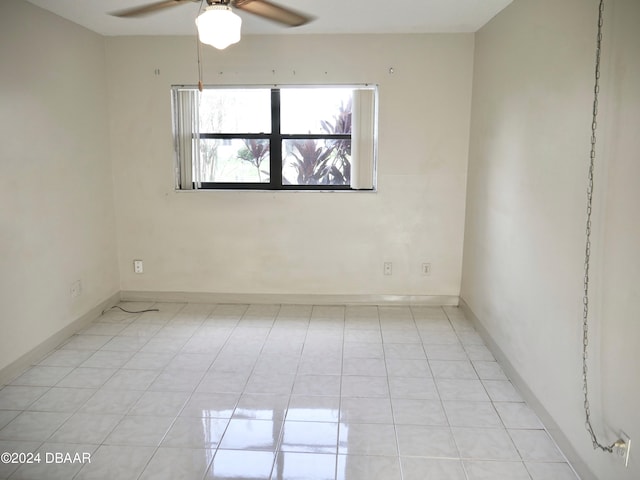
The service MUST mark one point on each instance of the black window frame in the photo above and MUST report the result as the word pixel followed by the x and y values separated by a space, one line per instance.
pixel 276 138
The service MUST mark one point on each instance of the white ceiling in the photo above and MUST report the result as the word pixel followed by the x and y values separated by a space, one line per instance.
pixel 331 16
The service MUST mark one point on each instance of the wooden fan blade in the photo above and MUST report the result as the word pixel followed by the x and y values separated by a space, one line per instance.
pixel 149 8
pixel 271 11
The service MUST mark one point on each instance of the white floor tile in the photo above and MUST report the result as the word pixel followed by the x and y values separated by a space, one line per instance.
pixel 111 401
pixel 314 409
pixel 7 415
pixel 489 370
pixel 407 411
pixel 141 431
pixel 404 350
pixel 502 391
pixel 255 406
pixel 222 382
pixel 243 434
pixel 321 385
pixel 310 466
pixel 83 377
pixel 365 410
pixel 408 367
pixel 140 329
pixel 241 465
pixel 479 352
pixel 277 362
pixel 361 467
pixel 125 344
pixel 62 400
pixel 148 361
pixel 85 342
pixel 107 359
pixel 426 441
pixel 364 386
pixel 86 428
pixel 471 414
pixel 216 405
pixel 455 369
pixel 375 367
pixel 131 379
pixel 471 390
pixel 42 376
pixel 33 426
pixel 416 387
pixel 164 345
pixel 116 463
pixel 536 446
pixel 176 463
pixel 66 358
pixel 309 437
pixel 50 468
pixel 485 444
pixel 550 471
pixel 19 398
pixel 195 432
pixel 176 381
pixel 268 392
pixel 280 383
pixel 364 334
pixel 159 404
pixel 318 364
pixel 493 470
pixel 445 352
pixel 98 328
pixel 416 468
pixel 518 415
pixel 15 446
pixel 367 439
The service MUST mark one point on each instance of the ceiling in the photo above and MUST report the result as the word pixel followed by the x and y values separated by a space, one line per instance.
pixel 331 16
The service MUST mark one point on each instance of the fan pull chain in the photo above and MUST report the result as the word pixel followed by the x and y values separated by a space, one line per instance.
pixel 199 53
pixel 587 251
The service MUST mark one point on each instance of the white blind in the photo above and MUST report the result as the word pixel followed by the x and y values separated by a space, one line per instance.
pixel 188 139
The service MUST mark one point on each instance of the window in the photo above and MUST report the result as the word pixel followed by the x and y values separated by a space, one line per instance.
pixel 275 138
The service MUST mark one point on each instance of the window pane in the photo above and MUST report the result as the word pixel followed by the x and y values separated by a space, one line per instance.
pixel 315 110
pixel 233 161
pixel 316 162
pixel 235 111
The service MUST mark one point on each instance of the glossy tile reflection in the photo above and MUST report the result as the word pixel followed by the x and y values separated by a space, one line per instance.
pixel 268 392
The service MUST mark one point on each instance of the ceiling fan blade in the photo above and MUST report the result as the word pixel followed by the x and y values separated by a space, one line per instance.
pixel 149 8
pixel 271 11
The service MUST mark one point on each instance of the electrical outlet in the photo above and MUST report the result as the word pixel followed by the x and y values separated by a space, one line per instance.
pixel 426 269
pixel 623 447
pixel 388 268
pixel 76 289
pixel 137 266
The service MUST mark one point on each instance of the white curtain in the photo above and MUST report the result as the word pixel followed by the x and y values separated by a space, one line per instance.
pixel 363 132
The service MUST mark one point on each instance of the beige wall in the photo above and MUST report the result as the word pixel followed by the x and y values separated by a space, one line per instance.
pixel 56 199
pixel 524 237
pixel 305 242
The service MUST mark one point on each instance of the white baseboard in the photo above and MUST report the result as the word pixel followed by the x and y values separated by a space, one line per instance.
pixel 289 299
pixel 15 368
pixel 530 398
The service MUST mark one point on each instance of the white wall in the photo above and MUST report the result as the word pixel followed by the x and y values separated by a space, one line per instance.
pixel 56 199
pixel 525 219
pixel 287 242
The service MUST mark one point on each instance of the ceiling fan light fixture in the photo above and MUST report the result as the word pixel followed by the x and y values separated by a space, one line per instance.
pixel 218 26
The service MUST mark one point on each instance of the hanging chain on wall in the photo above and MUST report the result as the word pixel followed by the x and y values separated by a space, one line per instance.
pixel 587 251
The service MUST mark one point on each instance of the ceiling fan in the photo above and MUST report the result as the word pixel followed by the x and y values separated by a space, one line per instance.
pixel 218 25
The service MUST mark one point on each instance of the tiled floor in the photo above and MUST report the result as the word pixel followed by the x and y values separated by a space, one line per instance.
pixel 274 392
